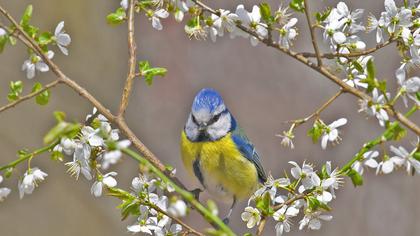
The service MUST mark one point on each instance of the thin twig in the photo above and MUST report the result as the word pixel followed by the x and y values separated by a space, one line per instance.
pixel 188 228
pixel 318 111
pixel 352 54
pixel 261 226
pixel 291 200
pixel 312 31
pixel 131 61
pixel 29 96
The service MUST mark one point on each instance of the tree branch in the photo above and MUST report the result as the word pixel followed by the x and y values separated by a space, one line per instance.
pixel 312 31
pixel 29 96
pixel 261 226
pixel 352 54
pixel 131 61
pixel 318 111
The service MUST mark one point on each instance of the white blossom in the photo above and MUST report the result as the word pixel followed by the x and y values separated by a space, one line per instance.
pixel 80 163
pixel 287 139
pixel 331 132
pixel 61 38
pixel 35 63
pixel 309 178
pixel 124 4
pixel 4 192
pixel 376 107
pixel 404 158
pixel 178 208
pixel 288 33
pixel 395 18
pixel 252 21
pixel 368 159
pixel 107 180
pixel 157 15
pixel 30 180
pixel 313 220
pixel 2 32
pixel 334 179
pixel 252 216
pixel 409 87
pixel 283 215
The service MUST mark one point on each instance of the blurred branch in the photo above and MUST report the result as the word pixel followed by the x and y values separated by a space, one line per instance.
pixel 131 61
pixel 29 96
pixel 320 69
pixel 312 31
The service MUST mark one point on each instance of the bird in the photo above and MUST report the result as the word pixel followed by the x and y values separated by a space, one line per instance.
pixel 217 152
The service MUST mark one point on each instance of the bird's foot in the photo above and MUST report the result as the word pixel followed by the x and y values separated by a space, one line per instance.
pixel 196 192
pixel 226 220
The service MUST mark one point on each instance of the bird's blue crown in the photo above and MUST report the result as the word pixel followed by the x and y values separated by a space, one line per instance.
pixel 208 99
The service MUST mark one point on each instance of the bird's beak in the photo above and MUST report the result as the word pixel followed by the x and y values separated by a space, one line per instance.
pixel 201 127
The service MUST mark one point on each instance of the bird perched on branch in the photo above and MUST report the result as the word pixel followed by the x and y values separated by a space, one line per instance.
pixel 217 152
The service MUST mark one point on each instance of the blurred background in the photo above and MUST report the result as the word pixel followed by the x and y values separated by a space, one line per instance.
pixel 262 87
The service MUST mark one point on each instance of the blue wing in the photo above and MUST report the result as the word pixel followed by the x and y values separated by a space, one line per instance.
pixel 248 150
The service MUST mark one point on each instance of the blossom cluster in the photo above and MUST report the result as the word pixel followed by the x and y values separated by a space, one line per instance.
pixel 401 158
pixel 307 193
pixel 201 26
pixel 35 62
pixel 154 207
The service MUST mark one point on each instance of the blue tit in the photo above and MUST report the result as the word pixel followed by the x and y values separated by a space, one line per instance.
pixel 217 152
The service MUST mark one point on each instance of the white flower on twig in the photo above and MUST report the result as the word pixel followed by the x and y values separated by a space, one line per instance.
pixel 61 38
pixel 30 180
pixel 252 216
pixel 107 180
pixel 331 132
pixel 35 63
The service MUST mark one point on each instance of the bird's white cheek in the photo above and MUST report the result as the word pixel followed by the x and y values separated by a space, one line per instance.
pixel 220 128
pixel 191 130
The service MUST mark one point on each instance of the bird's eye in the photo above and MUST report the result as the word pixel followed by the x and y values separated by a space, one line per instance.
pixel 215 118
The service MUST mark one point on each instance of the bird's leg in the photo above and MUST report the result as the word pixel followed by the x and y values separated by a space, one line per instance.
pixel 226 219
pixel 196 192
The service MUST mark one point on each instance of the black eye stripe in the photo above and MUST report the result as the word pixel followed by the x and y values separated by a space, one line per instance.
pixel 193 119
pixel 215 118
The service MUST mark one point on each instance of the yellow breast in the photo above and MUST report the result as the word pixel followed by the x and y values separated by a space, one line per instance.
pixel 225 171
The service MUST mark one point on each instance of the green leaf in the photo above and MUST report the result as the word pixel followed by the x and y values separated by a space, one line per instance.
pixel 16 88
pixel 62 129
pixel 265 11
pixel 314 204
pixel 322 16
pixel 315 132
pixel 398 133
pixel 3 40
pixel 57 156
pixel 45 38
pixel 26 17
pixel 264 204
pixel 297 5
pixel 358 67
pixel 355 177
pixel 42 98
pixel 150 72
pixel 416 155
pixel 143 65
pixel 59 116
pixel 117 17
pixel 371 71
pixel 8 172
